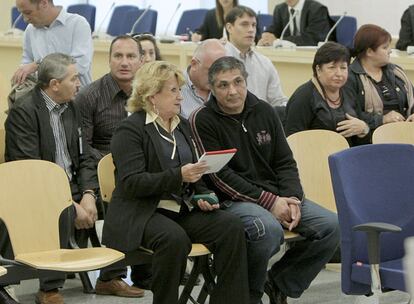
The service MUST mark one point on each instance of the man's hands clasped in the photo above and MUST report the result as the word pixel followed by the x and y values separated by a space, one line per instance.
pixel 287 211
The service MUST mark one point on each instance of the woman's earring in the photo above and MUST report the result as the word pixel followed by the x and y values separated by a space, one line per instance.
pixel 154 108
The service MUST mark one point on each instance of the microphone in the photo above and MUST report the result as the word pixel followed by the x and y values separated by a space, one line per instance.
pixel 280 43
pixel 14 30
pixel 97 33
pixel 165 38
pixel 333 28
pixel 139 19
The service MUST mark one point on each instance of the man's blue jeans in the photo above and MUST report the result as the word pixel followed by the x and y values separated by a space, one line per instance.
pixel 294 272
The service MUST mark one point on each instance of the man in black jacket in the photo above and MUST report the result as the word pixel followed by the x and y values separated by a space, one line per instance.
pixel 45 124
pixel 311 23
pixel 261 185
pixel 406 37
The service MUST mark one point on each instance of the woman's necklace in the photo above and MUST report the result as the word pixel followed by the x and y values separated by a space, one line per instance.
pixel 335 102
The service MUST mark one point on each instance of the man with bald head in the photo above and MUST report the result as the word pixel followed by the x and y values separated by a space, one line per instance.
pixel 51 29
pixel 196 90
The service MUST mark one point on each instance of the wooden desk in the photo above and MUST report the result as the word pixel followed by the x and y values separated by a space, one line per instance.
pixel 294 66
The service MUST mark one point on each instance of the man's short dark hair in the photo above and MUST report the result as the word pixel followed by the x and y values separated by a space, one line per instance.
pixel 224 64
pixel 125 37
pixel 330 52
pixel 239 11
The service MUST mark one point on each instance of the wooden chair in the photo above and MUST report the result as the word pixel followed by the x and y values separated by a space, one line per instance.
pixel 311 150
pixel 199 253
pixel 5 87
pixel 33 195
pixel 394 133
pixel 2 144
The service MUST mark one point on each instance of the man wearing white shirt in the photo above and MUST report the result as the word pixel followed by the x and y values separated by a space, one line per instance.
pixel 263 81
pixel 51 29
pixel 311 23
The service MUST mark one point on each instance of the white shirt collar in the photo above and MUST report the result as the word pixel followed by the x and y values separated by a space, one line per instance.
pixel 152 117
pixel 298 6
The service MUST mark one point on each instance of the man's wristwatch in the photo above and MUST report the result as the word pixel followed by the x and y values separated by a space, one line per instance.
pixel 91 192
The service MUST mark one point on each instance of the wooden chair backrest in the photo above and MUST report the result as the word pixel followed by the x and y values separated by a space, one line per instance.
pixel 2 144
pixel 5 87
pixel 106 176
pixel 33 195
pixel 311 150
pixel 394 133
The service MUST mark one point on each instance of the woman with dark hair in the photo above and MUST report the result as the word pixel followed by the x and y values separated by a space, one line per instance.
pixel 323 102
pixel 384 94
pixel 213 25
pixel 149 47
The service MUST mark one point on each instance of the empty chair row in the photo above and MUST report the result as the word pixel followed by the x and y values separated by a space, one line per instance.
pixel 127 19
pixel 124 19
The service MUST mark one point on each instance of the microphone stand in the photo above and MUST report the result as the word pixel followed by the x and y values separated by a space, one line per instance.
pixel 14 31
pixel 170 39
pixel 97 34
pixel 139 19
pixel 280 43
pixel 320 43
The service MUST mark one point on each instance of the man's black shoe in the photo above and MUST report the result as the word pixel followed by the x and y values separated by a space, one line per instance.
pixel 274 293
pixel 5 298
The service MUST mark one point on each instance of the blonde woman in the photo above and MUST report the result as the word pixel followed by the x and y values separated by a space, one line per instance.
pixel 156 176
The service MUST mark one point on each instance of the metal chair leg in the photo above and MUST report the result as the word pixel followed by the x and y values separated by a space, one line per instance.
pixel 86 282
pixel 199 263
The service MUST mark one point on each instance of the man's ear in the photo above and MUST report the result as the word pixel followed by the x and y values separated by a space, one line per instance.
pixel 43 4
pixel 229 27
pixel 193 62
pixel 54 85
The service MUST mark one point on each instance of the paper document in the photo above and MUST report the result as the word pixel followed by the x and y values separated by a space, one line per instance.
pixel 217 159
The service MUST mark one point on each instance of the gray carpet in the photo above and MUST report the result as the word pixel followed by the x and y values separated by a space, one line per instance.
pixel 325 289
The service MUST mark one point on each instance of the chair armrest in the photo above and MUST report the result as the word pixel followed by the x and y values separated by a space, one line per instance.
pixel 373 231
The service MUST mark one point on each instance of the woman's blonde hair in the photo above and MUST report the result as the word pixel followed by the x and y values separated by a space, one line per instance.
pixel 148 81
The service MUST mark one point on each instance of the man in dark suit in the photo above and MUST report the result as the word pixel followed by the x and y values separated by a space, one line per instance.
pixel 406 37
pixel 311 23
pixel 45 124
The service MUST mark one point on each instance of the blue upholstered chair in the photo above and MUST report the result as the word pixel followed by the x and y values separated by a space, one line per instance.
pixel 148 23
pixel 21 24
pixel 264 21
pixel 117 26
pixel 345 30
pixel 86 10
pixel 373 187
pixel 190 20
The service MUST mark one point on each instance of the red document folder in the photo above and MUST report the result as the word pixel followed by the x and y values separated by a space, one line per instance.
pixel 217 159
